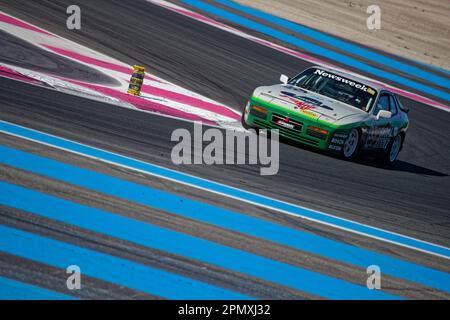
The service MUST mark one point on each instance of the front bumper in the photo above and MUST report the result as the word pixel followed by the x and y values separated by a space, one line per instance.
pixel 295 125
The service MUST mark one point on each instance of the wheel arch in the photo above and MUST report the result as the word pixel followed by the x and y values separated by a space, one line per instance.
pixel 403 135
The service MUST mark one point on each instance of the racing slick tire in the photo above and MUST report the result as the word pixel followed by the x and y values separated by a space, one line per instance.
pixel 244 124
pixel 351 147
pixel 392 150
pixel 246 110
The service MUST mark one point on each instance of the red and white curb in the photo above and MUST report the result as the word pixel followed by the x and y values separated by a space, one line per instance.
pixel 158 95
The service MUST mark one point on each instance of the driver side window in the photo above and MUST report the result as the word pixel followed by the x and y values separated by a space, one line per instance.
pixel 382 104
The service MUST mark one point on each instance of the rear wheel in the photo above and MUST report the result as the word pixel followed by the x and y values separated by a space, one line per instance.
pixel 393 150
pixel 351 145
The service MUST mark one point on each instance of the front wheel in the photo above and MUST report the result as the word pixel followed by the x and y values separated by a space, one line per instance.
pixel 245 115
pixel 351 145
pixel 393 150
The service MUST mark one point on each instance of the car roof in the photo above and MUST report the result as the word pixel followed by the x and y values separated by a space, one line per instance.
pixel 352 77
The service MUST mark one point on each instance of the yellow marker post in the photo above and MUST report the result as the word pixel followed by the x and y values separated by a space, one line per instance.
pixel 136 81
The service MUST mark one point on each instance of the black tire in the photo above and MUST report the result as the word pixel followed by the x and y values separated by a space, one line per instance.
pixel 244 124
pixel 392 151
pixel 351 147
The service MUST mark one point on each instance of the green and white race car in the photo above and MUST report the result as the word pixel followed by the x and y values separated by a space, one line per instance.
pixel 331 110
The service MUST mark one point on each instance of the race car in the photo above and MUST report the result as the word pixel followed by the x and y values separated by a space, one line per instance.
pixel 331 110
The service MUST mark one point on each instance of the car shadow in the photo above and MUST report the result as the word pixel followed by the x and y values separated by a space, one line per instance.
pixel 405 166
pixel 370 160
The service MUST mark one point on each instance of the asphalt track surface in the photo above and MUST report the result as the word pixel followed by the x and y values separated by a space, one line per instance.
pixel 15 51
pixel 410 198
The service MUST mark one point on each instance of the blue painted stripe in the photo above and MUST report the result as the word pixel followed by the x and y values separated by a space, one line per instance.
pixel 212 215
pixel 316 49
pixel 106 267
pixel 224 190
pixel 180 244
pixel 439 69
pixel 15 290
pixel 343 45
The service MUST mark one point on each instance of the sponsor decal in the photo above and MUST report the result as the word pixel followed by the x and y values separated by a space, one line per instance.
pixel 298 103
pixel 337 141
pixel 379 137
pixel 351 83
pixel 310 114
pixel 303 102
pixel 340 135
pixel 285 124
pixel 380 131
pixel 371 91
pixel 333 147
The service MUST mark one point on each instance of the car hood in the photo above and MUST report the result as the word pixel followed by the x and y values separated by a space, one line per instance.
pixel 298 100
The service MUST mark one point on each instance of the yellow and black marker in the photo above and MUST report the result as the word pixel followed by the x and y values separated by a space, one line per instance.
pixel 136 81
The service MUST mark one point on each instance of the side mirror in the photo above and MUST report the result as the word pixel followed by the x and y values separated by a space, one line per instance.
pixel 384 114
pixel 284 79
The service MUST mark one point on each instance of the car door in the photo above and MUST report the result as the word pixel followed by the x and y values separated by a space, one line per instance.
pixel 398 120
pixel 380 131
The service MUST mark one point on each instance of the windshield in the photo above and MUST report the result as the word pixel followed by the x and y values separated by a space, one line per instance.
pixel 336 87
